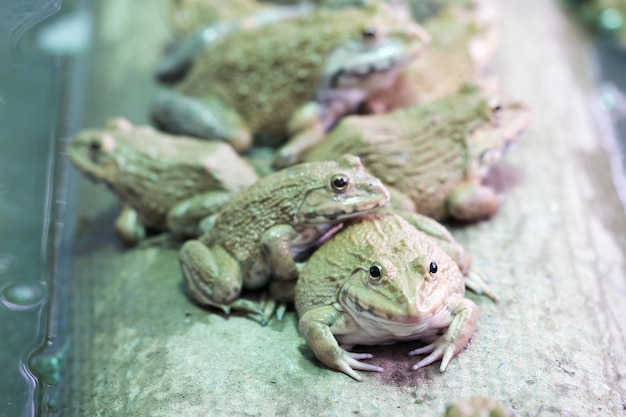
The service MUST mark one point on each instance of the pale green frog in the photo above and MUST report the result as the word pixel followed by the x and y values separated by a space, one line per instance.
pixel 380 280
pixel 293 78
pixel 165 183
pixel 263 230
pixel 437 154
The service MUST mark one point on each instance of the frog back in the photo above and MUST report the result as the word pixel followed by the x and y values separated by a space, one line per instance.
pixel 273 200
pixel 266 73
pixel 421 151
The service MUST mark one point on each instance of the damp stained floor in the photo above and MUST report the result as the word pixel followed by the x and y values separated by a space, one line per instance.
pixel 554 346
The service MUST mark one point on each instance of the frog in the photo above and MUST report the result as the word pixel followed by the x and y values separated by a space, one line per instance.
pixel 464 39
pixel 263 232
pixel 188 16
pixel 244 87
pixel 166 183
pixel 200 24
pixel 478 407
pixel 433 158
pixel 380 280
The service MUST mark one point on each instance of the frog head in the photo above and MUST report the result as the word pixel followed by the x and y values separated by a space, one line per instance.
pixel 505 122
pixel 399 288
pixel 95 152
pixel 338 191
pixel 370 60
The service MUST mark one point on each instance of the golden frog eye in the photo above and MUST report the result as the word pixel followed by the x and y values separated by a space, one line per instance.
pixel 339 183
pixel 375 272
pixel 433 267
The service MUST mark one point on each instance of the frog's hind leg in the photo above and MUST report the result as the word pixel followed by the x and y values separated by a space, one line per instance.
pixel 210 119
pixel 213 277
pixel 471 202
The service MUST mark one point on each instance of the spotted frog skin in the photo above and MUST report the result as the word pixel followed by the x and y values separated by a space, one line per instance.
pixel 165 183
pixel 379 281
pixel 188 16
pixel 200 24
pixel 262 231
pixel 434 157
pixel 328 62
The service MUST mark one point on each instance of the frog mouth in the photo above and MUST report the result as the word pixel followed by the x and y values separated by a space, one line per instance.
pixel 345 209
pixel 338 207
pixel 382 312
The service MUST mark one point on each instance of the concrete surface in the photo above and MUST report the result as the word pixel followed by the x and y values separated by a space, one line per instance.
pixel 554 346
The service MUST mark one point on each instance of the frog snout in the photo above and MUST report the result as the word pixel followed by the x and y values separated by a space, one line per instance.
pixel 418 34
pixel 376 187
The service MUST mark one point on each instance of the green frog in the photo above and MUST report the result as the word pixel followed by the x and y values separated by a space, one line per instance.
pixel 380 280
pixel 293 78
pixel 263 231
pixel 433 158
pixel 201 24
pixel 165 183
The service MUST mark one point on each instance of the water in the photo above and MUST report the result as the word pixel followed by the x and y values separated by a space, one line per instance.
pixel 33 116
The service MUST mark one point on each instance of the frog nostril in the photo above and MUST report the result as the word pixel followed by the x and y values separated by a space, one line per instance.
pixel 369 33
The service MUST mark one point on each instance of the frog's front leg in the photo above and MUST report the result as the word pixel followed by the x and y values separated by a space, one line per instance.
pixel 469 201
pixel 211 119
pixel 292 152
pixel 464 315
pixel 128 226
pixel 213 277
pixel 185 217
pixel 315 326
pixel 307 128
pixel 276 245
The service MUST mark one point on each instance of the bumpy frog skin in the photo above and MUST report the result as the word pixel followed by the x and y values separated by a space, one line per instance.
pixel 436 155
pixel 207 22
pixel 165 182
pixel 464 39
pixel 304 72
pixel 187 16
pixel 380 281
pixel 262 230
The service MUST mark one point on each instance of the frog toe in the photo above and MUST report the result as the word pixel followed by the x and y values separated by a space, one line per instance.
pixel 351 361
pixel 437 351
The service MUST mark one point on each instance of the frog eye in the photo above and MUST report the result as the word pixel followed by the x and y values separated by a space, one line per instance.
pixel 339 183
pixel 375 272
pixel 433 267
pixel 95 145
pixel 369 33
